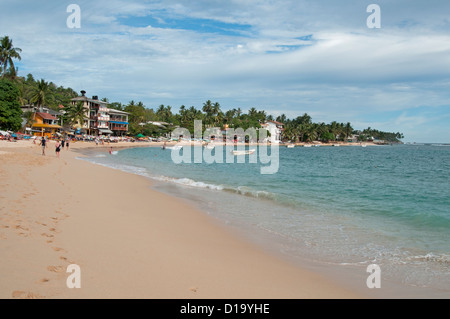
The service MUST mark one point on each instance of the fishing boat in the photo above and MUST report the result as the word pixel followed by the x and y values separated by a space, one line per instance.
pixel 176 147
pixel 307 145
pixel 290 146
pixel 247 152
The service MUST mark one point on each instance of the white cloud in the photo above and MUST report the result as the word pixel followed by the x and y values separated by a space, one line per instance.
pixel 343 72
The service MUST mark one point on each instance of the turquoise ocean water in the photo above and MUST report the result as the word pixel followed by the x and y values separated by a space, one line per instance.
pixel 339 206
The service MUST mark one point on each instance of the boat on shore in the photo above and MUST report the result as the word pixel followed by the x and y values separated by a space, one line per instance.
pixel 290 145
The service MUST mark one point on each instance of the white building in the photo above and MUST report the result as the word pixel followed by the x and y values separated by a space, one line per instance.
pixel 275 129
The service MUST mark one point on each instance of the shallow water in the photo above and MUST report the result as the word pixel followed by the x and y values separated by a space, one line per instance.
pixel 340 206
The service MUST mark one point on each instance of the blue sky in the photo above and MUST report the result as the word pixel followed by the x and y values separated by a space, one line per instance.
pixel 285 56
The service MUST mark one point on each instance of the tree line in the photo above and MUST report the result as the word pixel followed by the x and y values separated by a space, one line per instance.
pixel 17 91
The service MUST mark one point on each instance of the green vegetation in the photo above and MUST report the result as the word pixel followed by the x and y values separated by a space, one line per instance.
pixel 379 135
pixel 27 91
pixel 42 93
pixel 10 112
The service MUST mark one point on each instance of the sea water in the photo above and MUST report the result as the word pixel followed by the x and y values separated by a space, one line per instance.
pixel 345 207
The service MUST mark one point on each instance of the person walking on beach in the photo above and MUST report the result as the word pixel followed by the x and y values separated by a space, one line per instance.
pixel 62 143
pixel 57 148
pixel 43 144
pixel 67 143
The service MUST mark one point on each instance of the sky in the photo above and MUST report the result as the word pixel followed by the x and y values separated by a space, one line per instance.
pixel 281 56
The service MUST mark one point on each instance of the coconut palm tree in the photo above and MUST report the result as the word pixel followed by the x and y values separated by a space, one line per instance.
pixel 216 113
pixel 160 112
pixel 41 94
pixel 348 130
pixel 77 114
pixel 208 109
pixel 7 53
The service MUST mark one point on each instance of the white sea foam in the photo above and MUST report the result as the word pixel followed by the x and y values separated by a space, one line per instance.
pixel 188 182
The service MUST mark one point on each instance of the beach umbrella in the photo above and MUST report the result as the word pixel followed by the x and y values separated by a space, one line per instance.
pixel 140 135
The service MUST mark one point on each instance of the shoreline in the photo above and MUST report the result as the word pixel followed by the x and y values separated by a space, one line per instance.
pixel 130 240
pixel 351 276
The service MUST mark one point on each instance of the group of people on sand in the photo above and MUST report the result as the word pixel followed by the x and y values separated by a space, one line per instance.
pixel 60 144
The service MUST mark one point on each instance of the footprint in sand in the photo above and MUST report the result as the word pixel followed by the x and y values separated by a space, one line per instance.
pixel 58 249
pixel 56 268
pixel 65 259
pixel 194 289
pixel 49 241
pixel 44 280
pixel 25 295
pixel 47 235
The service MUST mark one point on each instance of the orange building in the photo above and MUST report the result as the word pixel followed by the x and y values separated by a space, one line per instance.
pixel 46 123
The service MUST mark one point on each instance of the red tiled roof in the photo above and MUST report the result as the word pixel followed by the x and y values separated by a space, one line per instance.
pixel 46 116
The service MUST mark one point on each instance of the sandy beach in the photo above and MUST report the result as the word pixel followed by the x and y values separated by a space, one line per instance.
pixel 129 240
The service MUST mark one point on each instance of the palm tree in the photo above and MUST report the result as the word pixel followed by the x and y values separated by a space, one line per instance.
pixel 216 113
pixel 238 112
pixel 168 114
pixel 77 114
pixel 160 112
pixel 41 94
pixel 208 109
pixel 282 118
pixel 7 54
pixel 348 130
pixel 252 113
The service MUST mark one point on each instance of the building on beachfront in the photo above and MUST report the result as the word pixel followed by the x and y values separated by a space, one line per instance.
pixel 99 119
pixel 45 121
pixel 45 124
pixel 352 138
pixel 275 129
pixel 118 122
pixel 96 118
